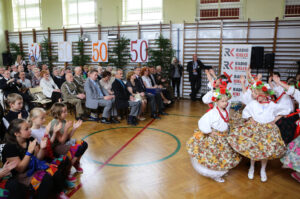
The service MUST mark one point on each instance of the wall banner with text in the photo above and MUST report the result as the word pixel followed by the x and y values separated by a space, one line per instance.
pixel 235 60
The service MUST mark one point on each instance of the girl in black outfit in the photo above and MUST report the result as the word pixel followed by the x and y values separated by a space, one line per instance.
pixel 176 73
pixel 43 180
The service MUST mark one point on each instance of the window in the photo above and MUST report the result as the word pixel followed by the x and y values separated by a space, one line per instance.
pixel 292 8
pixel 79 13
pixel 219 9
pixel 142 11
pixel 26 14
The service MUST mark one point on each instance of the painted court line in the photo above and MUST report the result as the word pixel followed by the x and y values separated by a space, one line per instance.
pixel 113 156
pixel 180 115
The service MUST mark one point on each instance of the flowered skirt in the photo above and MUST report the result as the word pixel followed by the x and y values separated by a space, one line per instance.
pixel 212 151
pixel 236 119
pixel 257 141
pixel 292 157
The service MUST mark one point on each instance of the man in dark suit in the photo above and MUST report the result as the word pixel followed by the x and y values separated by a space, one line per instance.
pixel 124 99
pixel 154 99
pixel 57 77
pixel 195 68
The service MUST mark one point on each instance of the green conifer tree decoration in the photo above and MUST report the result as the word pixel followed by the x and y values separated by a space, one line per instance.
pixel 81 59
pixel 16 50
pixel 120 55
pixel 162 55
pixel 47 58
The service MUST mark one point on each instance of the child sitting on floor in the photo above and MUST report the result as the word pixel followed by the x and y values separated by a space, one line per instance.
pixel 16 110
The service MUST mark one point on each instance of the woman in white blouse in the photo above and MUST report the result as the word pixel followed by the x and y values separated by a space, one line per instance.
pixel 50 89
pixel 148 84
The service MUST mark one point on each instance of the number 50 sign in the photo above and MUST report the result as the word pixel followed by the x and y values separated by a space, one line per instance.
pixel 139 50
pixel 100 51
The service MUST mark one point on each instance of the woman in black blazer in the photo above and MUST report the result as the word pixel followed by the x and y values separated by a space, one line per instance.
pixel 175 74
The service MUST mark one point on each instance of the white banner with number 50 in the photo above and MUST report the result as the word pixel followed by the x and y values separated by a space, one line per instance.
pixel 139 50
pixel 100 51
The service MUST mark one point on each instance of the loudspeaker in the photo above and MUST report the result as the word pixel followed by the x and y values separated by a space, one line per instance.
pixel 7 59
pixel 269 60
pixel 257 57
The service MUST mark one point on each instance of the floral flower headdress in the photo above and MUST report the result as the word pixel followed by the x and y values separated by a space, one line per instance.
pixel 219 93
pixel 224 80
pixel 264 87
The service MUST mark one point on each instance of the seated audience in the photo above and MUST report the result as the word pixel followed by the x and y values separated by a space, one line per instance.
pixel 26 82
pixel 67 70
pixel 155 100
pixel 41 179
pixel 16 110
pixel 32 61
pixel 29 71
pixel 2 69
pixel 97 96
pixel 106 83
pixel 45 67
pixel 20 61
pixel 13 71
pixel 85 71
pixel 35 81
pixel 50 89
pixel 10 187
pixel 133 90
pixel 152 85
pixel 72 95
pixel 78 79
pixel 20 69
pixel 12 85
pixel 57 77
pixel 124 99
pixel 100 71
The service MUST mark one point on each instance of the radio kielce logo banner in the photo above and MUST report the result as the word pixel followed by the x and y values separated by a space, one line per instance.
pixel 235 60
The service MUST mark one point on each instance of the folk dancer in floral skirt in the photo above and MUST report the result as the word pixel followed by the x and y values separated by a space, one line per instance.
pixel 259 138
pixel 211 155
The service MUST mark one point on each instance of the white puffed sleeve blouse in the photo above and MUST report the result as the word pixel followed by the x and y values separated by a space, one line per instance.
pixel 212 120
pixel 263 113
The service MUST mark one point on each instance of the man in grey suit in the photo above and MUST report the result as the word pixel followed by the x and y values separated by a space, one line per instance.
pixel 97 96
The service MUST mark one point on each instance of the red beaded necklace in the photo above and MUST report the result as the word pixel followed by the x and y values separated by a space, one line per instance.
pixel 227 116
pixel 266 102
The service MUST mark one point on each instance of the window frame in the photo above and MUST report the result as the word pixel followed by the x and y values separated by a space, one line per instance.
pixel 219 6
pixel 18 10
pixel 290 17
pixel 141 21
pixel 67 25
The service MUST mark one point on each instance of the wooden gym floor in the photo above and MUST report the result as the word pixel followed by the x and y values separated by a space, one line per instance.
pixel 150 161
